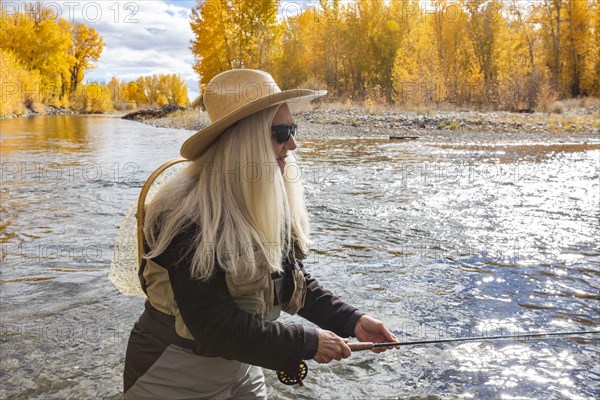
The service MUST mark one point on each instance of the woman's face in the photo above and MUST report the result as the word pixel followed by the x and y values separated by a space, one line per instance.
pixel 281 150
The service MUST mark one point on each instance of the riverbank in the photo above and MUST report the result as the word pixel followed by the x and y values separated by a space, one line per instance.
pixel 347 121
pixel 41 109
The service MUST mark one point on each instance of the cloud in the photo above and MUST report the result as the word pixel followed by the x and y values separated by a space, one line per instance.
pixel 141 37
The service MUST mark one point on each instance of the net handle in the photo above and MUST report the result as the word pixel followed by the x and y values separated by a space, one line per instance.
pixel 141 206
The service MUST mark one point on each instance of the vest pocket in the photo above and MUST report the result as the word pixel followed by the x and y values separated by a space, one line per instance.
pixel 296 301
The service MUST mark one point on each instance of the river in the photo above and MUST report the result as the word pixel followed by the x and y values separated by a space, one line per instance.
pixel 438 237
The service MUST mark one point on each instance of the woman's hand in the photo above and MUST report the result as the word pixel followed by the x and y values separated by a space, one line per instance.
pixel 369 329
pixel 331 347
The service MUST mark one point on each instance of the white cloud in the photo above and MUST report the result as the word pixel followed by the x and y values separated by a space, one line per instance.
pixel 141 37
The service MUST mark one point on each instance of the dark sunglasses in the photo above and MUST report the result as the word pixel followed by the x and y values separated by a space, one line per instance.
pixel 283 132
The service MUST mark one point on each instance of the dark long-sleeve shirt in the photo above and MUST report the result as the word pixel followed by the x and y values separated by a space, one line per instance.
pixel 222 329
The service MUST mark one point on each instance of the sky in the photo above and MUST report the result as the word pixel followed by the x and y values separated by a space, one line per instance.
pixel 141 37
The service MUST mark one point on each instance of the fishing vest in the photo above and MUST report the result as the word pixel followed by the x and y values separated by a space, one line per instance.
pixel 264 297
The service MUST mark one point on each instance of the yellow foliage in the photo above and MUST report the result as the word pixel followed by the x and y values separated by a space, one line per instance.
pixel 20 88
pixel 291 66
pixel 41 42
pixel 86 47
pixel 115 87
pixel 65 102
pixel 505 54
pixel 92 98
pixel 162 100
pixel 232 34
pixel 54 53
pixel 155 90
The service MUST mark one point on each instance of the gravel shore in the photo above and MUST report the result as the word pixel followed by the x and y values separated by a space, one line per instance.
pixel 580 125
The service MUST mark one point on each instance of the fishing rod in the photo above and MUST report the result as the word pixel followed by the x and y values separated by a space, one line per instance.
pixel 359 346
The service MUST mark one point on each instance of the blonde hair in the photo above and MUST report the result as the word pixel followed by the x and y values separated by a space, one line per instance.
pixel 249 214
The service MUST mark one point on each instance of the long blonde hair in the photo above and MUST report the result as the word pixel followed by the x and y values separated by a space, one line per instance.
pixel 249 214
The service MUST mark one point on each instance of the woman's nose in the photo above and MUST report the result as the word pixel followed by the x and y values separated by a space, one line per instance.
pixel 291 143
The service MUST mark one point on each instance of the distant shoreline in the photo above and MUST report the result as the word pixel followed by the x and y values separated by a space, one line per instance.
pixel 328 121
pixel 341 120
pixel 52 110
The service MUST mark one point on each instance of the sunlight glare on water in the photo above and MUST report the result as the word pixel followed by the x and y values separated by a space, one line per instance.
pixel 447 236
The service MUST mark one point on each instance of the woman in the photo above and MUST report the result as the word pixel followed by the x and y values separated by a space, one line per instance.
pixel 225 243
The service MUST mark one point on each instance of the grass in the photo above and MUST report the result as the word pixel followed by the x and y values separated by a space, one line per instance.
pixel 580 105
pixel 454 125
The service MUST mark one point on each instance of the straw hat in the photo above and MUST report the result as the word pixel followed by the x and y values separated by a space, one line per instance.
pixel 236 94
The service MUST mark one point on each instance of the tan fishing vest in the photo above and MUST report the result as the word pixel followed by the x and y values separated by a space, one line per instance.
pixel 256 297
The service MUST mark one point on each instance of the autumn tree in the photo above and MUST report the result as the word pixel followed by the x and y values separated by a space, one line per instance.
pixel 435 62
pixel 291 60
pixel 373 36
pixel 328 47
pixel 115 90
pixel 19 86
pixel 551 31
pixel 41 42
pixel 92 98
pixel 524 49
pixel 578 60
pixel 155 90
pixel 233 34
pixel 591 76
pixel 54 53
pixel 504 54
pixel 174 89
pixel 86 49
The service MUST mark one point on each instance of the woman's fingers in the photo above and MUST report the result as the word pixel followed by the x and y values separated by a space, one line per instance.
pixel 331 347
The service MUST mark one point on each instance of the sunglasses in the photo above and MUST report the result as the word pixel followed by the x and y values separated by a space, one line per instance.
pixel 283 132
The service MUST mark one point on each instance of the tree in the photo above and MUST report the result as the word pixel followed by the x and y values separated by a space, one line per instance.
pixel 498 53
pixel 41 42
pixel 19 85
pixel 232 34
pixel 551 30
pixel 484 25
pixel 92 98
pixel 115 87
pixel 579 61
pixel 291 59
pixel 154 89
pixel 86 48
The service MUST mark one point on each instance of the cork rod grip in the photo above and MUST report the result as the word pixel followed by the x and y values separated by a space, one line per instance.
pixel 358 346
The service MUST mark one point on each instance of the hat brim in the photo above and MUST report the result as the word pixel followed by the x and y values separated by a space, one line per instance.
pixel 198 143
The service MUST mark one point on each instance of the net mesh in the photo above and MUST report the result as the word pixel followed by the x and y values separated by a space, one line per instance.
pixel 124 265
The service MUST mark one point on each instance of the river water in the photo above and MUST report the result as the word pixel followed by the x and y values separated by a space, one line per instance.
pixel 450 235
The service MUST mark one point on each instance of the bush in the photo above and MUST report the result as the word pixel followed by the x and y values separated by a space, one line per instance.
pixel 20 88
pixel 546 98
pixel 92 98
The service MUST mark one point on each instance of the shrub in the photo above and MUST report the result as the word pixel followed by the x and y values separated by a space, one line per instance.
pixel 92 98
pixel 20 88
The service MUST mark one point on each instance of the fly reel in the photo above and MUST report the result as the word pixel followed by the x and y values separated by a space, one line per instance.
pixel 290 380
